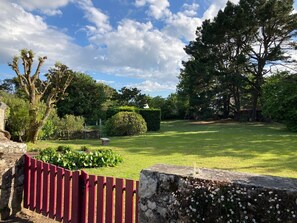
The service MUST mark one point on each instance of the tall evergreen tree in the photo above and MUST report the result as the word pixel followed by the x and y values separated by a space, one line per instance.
pixel 233 53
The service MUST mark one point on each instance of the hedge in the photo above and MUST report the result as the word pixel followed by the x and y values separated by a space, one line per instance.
pixel 152 118
pixel 114 110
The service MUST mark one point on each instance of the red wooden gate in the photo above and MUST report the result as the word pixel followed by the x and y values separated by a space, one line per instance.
pixel 76 197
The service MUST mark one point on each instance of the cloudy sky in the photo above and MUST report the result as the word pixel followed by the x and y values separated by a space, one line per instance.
pixel 136 43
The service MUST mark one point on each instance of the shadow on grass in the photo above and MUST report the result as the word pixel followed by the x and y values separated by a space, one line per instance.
pixel 256 145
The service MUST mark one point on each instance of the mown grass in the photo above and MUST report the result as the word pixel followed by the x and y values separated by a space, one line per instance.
pixel 246 147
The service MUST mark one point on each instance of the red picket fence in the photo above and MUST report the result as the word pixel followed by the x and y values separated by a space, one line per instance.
pixel 76 197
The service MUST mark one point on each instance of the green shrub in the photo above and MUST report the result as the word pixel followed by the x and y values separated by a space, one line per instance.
pixel 114 110
pixel 279 99
pixel 64 157
pixel 68 125
pixel 152 118
pixel 125 124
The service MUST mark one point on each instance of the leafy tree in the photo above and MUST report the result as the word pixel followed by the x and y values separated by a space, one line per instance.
pixel 272 24
pixel 231 55
pixel 86 98
pixel 18 117
pixel 280 99
pixel 131 97
pixel 37 90
pixel 173 107
pixel 69 124
pixel 8 85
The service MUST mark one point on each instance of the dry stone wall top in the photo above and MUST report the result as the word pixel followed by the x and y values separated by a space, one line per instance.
pixel 184 194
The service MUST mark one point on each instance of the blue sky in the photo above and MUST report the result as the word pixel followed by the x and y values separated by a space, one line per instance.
pixel 134 43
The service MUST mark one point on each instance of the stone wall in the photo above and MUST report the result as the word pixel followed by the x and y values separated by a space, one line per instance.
pixel 11 176
pixel 184 194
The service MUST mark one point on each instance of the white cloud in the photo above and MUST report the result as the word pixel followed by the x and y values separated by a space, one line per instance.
pixel 21 29
pixel 190 9
pixel 42 5
pixel 215 6
pixel 182 26
pixel 52 12
pixel 158 9
pixel 105 81
pixel 95 16
pixel 138 50
pixel 153 86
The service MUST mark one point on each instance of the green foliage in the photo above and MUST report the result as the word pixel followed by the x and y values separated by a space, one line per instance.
pixel 152 118
pixel 114 110
pixel 86 98
pixel 175 106
pixel 125 124
pixel 280 99
pixel 131 97
pixel 18 119
pixel 50 128
pixel 64 157
pixel 69 124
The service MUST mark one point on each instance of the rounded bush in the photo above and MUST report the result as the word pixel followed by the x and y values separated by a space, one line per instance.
pixel 125 124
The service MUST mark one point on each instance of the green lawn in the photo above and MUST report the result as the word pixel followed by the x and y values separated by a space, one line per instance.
pixel 246 147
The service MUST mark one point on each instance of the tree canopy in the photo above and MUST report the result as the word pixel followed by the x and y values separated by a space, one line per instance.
pixel 86 97
pixel 232 54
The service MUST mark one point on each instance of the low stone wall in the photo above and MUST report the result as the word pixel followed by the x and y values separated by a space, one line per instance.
pixel 184 194
pixel 11 177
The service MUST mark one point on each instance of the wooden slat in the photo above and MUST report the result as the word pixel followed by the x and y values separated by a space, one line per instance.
pixel 33 175
pixel 119 200
pixel 109 200
pixel 137 202
pixel 100 199
pixel 53 191
pixel 45 189
pixel 27 181
pixel 129 207
pixel 92 203
pixel 84 195
pixel 67 188
pixel 75 207
pixel 60 186
pixel 39 185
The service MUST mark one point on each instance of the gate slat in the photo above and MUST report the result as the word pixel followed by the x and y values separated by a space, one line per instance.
pixel 75 210
pixel 45 192
pixel 137 200
pixel 129 207
pixel 60 186
pixel 67 188
pixel 100 199
pixel 33 185
pixel 53 188
pixel 92 204
pixel 39 186
pixel 119 200
pixel 84 194
pixel 27 181
pixel 109 200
